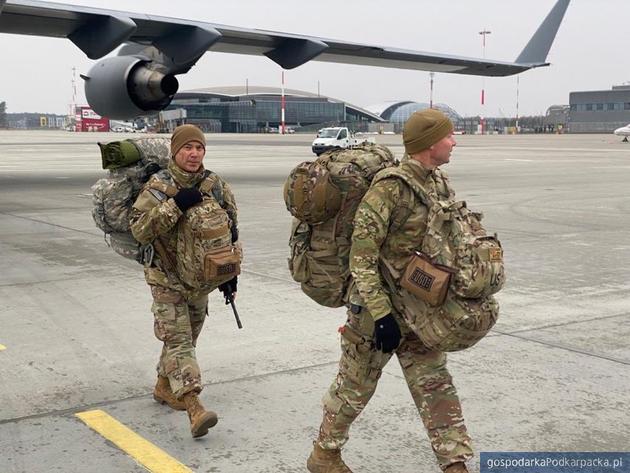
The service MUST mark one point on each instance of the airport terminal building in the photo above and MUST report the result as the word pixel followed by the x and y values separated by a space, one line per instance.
pixel 240 109
pixel 599 111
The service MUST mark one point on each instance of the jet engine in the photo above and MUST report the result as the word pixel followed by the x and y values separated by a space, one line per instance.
pixel 123 87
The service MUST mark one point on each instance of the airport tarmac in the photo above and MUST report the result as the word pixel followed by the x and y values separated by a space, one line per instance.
pixel 76 328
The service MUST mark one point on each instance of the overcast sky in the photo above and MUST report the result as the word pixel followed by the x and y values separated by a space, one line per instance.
pixel 589 53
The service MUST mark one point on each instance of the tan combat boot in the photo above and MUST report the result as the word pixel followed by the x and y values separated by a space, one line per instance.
pixel 163 394
pixel 326 461
pixel 200 419
pixel 459 467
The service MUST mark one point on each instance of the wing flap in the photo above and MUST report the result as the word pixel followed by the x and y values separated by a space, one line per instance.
pixel 187 43
pixel 295 52
pixel 101 35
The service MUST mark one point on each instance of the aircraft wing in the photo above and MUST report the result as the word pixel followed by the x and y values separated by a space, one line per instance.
pixel 98 31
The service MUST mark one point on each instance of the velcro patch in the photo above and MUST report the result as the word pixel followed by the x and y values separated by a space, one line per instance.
pixel 496 255
pixel 226 269
pixel 421 279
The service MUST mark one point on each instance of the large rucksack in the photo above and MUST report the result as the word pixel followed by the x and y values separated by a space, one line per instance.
pixel 130 164
pixel 456 239
pixel 323 196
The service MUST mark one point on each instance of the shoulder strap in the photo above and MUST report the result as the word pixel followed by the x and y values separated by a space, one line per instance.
pixel 414 187
pixel 417 188
pixel 403 210
pixel 162 182
pixel 163 187
pixel 212 184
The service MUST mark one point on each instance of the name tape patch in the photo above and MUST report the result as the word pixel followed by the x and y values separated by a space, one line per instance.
pixel 421 279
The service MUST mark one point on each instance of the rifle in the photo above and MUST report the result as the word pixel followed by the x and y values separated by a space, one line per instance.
pixel 230 300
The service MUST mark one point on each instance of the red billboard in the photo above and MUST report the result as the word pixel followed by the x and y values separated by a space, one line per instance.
pixel 88 120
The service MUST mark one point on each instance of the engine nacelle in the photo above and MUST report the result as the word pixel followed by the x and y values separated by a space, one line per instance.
pixel 122 87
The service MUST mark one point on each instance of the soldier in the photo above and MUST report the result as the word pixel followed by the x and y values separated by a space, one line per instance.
pixel 182 195
pixel 389 224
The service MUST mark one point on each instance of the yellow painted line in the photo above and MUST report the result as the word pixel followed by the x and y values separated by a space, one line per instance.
pixel 140 449
pixel 2 347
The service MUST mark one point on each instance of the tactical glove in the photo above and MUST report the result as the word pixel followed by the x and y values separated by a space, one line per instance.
pixel 386 334
pixel 187 197
pixel 228 288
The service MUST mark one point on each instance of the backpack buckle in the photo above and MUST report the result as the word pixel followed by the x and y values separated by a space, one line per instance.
pixel 147 253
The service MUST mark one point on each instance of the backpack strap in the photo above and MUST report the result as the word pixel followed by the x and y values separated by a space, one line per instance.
pixel 162 188
pixel 412 187
pixel 212 184
pixel 417 188
pixel 162 185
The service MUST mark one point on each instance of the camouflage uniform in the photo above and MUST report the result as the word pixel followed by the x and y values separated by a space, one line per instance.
pixel 389 224
pixel 178 309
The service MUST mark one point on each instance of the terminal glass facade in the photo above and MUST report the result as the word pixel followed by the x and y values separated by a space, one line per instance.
pixel 400 112
pixel 259 113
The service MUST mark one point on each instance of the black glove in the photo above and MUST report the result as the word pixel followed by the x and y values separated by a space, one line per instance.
pixel 386 334
pixel 187 197
pixel 228 288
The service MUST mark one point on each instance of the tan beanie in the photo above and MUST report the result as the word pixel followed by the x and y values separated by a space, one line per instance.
pixel 184 134
pixel 424 129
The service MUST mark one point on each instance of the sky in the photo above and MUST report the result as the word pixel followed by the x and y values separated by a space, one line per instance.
pixel 589 52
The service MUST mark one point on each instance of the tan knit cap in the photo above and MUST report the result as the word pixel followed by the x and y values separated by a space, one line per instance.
pixel 424 129
pixel 184 134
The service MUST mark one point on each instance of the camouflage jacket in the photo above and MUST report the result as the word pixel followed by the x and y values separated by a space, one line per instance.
pixel 389 225
pixel 153 217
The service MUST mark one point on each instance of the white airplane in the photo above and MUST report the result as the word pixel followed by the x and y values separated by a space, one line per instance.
pixel 623 131
pixel 141 78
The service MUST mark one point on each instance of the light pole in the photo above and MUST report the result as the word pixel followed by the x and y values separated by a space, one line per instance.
pixel 282 108
pixel 73 106
pixel 483 34
pixel 517 87
pixel 431 75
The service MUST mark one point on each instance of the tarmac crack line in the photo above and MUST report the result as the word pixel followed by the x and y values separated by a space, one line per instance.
pixel 95 405
pixel 566 348
pixel 267 276
pixel 74 410
pixel 564 324
pixel 30 219
pixel 553 345
pixel 94 234
pixel 50 281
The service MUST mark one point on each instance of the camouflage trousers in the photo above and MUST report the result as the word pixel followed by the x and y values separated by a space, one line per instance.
pixel 427 378
pixel 177 323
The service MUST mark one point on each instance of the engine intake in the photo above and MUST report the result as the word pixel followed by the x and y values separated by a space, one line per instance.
pixel 122 87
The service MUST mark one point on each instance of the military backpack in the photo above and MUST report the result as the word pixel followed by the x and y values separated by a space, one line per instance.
pixel 456 247
pixel 130 164
pixel 206 253
pixel 323 196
